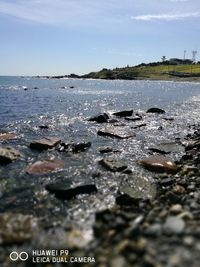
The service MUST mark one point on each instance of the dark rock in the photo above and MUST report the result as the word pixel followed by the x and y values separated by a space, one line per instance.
pixel 194 144
pixel 71 87
pixel 7 136
pixel 43 126
pixel 106 150
pixel 100 118
pixel 159 164
pixel 166 181
pixel 168 119
pixel 179 189
pixel 35 88
pixel 139 126
pixel 66 192
pixel 44 167
pixel 156 110
pixel 63 147
pixel 137 118
pixel 173 225
pixel 112 165
pixel 115 133
pixel 8 155
pixel 16 228
pixel 124 113
pixel 45 143
pixel 80 147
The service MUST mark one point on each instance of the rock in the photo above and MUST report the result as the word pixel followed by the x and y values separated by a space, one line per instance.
pixel 123 113
pixel 7 136
pixel 139 126
pixel 8 155
pixel 166 181
pixel 101 118
pixel 166 148
pixel 193 144
pixel 159 164
pixel 115 133
pixel 173 225
pixel 137 118
pixel 176 209
pixel 66 192
pixel 106 150
pixel 179 189
pixel 80 147
pixel 43 126
pixel 16 228
pixel 155 110
pixel 168 119
pixel 112 165
pixel 45 143
pixel 44 167
pixel 132 192
pixel 71 87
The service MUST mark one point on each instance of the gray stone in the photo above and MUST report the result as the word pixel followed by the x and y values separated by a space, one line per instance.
pixel 113 165
pixel 119 133
pixel 173 225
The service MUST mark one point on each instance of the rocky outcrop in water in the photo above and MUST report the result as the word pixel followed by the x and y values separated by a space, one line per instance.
pixel 8 155
pixel 101 118
pixel 156 110
pixel 45 143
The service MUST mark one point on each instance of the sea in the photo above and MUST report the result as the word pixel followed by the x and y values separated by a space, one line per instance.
pixel 65 105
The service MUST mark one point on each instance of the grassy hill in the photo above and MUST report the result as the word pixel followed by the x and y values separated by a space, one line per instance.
pixel 148 71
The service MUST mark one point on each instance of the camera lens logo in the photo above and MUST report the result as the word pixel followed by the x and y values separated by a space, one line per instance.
pixel 14 256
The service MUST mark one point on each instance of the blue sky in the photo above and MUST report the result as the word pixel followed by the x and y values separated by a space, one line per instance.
pixel 47 37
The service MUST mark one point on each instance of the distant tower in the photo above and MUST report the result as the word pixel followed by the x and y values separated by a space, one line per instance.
pixel 184 54
pixel 194 54
pixel 163 58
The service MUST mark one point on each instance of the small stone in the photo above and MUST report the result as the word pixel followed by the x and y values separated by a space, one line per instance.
pixel 186 215
pixel 166 181
pixel 156 110
pixel 112 165
pixel 176 209
pixel 159 164
pixel 43 126
pixel 16 228
pixel 137 118
pixel 173 225
pixel 7 136
pixel 44 167
pixel 106 150
pixel 119 133
pixel 124 113
pixel 66 192
pixel 101 118
pixel 80 147
pixel 179 189
pixel 188 240
pixel 45 143
pixel 8 155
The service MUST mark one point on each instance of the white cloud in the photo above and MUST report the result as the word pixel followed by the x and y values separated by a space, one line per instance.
pixel 167 17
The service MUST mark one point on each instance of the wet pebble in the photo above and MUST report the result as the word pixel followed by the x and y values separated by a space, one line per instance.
pixel 159 164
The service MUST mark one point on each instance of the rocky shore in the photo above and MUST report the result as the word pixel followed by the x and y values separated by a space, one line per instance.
pixel 161 228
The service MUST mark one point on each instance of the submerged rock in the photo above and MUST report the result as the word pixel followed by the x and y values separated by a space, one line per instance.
pixel 101 118
pixel 45 143
pixel 43 126
pixel 8 155
pixel 115 133
pixel 166 148
pixel 16 228
pixel 7 136
pixel 159 164
pixel 113 165
pixel 66 192
pixel 44 167
pixel 156 110
pixel 123 113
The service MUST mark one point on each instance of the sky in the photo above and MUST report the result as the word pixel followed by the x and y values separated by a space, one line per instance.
pixel 57 37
